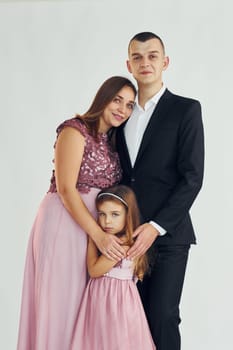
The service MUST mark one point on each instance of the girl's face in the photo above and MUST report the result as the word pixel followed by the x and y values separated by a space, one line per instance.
pixel 112 216
pixel 118 110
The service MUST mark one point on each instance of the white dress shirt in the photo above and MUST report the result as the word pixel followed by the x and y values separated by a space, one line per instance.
pixel 135 128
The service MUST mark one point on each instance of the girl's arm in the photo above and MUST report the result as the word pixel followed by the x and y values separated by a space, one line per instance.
pixel 68 157
pixel 97 264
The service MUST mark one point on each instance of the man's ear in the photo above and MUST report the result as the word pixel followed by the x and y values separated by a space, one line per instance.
pixel 166 62
pixel 128 66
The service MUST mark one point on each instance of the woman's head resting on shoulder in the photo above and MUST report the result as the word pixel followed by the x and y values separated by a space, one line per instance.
pixel 112 105
pixel 118 211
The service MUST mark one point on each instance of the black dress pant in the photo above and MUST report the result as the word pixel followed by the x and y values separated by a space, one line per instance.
pixel 161 291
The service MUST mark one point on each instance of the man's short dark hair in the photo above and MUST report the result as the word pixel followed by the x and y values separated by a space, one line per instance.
pixel 144 36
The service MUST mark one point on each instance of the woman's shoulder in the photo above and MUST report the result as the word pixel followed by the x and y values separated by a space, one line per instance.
pixel 75 123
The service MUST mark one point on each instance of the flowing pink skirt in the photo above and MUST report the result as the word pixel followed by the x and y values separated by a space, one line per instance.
pixel 55 277
pixel 112 317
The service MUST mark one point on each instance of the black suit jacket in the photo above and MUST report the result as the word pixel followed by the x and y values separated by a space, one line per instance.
pixel 168 170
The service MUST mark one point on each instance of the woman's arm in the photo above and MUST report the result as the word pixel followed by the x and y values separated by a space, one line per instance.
pixel 98 265
pixel 68 157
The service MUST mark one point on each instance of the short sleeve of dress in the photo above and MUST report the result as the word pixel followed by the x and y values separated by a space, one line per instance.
pixel 73 123
pixel 100 165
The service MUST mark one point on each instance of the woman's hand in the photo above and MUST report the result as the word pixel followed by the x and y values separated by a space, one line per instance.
pixel 110 246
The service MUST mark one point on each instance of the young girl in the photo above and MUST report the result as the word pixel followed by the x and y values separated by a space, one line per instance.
pixel 111 316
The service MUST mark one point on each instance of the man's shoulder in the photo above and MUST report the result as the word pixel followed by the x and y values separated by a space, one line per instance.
pixel 179 98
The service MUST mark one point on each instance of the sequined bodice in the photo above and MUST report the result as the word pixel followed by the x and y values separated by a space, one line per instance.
pixel 123 270
pixel 100 165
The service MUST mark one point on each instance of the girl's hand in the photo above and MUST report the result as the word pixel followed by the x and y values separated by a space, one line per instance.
pixel 110 246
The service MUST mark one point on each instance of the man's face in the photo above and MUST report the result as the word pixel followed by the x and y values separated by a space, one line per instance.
pixel 147 62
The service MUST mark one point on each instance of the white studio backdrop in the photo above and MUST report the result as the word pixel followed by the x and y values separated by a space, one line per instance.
pixel 54 56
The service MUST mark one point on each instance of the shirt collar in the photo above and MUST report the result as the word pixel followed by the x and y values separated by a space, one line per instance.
pixel 152 101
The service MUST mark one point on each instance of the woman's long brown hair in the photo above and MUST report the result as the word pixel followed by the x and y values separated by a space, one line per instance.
pixel 104 96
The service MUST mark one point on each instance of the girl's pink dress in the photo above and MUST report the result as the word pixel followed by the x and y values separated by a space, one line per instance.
pixel 55 272
pixel 111 315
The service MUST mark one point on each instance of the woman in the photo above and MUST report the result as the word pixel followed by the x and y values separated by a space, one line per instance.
pixel 55 271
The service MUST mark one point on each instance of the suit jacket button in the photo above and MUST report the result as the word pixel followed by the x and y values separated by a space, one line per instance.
pixel 132 179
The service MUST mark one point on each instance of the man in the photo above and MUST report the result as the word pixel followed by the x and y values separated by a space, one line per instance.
pixel 161 150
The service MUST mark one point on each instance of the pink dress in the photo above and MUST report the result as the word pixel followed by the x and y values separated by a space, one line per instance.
pixel 111 315
pixel 55 272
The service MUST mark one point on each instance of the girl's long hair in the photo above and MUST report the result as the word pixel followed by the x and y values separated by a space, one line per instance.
pixel 132 219
pixel 104 96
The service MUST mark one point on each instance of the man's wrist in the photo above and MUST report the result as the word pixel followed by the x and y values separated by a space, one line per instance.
pixel 160 229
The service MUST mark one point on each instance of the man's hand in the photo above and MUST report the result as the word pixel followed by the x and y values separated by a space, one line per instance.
pixel 146 234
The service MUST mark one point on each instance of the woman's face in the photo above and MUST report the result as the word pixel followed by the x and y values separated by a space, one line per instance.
pixel 118 110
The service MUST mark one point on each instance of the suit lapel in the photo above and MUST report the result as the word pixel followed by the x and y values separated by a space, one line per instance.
pixel 156 119
pixel 122 146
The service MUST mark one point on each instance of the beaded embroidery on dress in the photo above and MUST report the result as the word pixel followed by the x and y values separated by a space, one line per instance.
pixel 100 165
